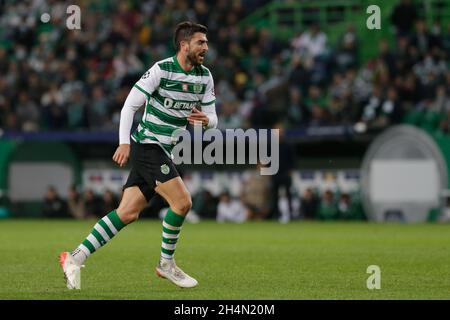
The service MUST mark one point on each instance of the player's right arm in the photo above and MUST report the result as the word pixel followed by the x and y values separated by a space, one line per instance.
pixel 140 92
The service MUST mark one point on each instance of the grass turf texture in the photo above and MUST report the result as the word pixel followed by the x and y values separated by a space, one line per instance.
pixel 260 260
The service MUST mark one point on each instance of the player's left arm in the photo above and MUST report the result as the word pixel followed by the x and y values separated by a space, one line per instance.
pixel 207 115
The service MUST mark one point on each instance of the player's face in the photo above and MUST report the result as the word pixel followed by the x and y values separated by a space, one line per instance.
pixel 198 46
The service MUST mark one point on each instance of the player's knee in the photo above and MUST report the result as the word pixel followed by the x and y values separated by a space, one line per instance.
pixel 183 205
pixel 128 214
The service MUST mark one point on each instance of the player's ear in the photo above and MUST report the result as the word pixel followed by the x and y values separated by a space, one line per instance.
pixel 183 44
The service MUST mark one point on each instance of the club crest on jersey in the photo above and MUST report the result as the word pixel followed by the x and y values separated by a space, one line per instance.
pixel 165 169
pixel 197 87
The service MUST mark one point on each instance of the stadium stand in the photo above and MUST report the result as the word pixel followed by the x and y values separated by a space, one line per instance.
pixel 280 61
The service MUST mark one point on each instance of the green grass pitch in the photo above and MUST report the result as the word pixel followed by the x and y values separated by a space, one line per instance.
pixel 259 260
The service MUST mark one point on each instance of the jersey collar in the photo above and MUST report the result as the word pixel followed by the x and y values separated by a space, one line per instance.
pixel 192 71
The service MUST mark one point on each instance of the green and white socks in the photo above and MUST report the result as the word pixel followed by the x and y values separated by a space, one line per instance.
pixel 104 230
pixel 171 230
pixel 107 227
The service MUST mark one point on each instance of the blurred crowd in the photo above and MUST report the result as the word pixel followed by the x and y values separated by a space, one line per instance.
pixel 253 204
pixel 256 203
pixel 53 78
pixel 78 204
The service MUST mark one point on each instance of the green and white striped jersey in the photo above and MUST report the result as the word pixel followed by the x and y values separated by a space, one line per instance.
pixel 171 93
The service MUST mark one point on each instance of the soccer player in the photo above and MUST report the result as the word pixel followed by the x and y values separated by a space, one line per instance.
pixel 176 91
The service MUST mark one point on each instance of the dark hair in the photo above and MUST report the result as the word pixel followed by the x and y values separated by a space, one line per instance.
pixel 185 30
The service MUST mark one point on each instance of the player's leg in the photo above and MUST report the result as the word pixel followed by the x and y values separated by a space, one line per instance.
pixel 177 196
pixel 132 203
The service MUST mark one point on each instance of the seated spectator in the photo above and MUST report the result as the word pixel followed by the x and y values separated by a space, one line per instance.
pixel 311 44
pixel 347 52
pixel 309 204
pixel 390 111
pixel 297 112
pixel 441 102
pixel 446 40
pixel 255 194
pixel 230 118
pixel 75 204
pixel 350 208
pixel 92 204
pixel 230 210
pixel 344 206
pixel 328 209
pixel 205 205
pixel 403 17
pixel 422 39
pixel 110 201
pixel 317 105
pixel 372 107
pixel 431 118
pixel 54 206
pixel 28 112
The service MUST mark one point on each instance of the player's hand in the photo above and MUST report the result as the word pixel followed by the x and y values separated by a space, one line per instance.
pixel 197 116
pixel 122 154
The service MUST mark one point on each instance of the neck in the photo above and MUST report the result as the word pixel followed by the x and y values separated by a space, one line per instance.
pixel 184 62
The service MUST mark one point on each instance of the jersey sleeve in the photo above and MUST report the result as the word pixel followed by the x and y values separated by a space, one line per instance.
pixel 149 81
pixel 134 101
pixel 208 104
pixel 210 96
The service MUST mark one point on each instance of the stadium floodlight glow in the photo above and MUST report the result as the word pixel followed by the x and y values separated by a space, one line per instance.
pixel 259 143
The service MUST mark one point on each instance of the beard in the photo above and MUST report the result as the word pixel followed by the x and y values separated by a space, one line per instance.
pixel 193 59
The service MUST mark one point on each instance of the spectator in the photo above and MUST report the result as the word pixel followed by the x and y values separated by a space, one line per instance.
pixel 328 209
pixel 230 210
pixel 388 58
pixel 344 206
pixel 54 206
pixel 442 101
pixel 205 205
pixel 59 80
pixel 446 40
pixel 390 111
pixel 311 44
pixel 347 52
pixel 317 106
pixel 297 112
pixel 309 204
pixel 28 113
pixel 403 17
pixel 350 208
pixel 52 102
pixel 371 109
pixel 230 119
pixel 110 201
pixel 299 76
pixel 98 115
pixel 422 39
pixel 282 179
pixel 76 204
pixel 255 194
pixel 92 204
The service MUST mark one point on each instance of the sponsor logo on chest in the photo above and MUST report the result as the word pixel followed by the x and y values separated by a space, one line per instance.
pixel 179 105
